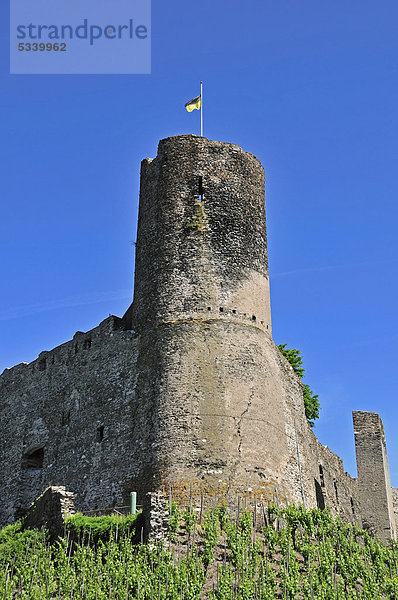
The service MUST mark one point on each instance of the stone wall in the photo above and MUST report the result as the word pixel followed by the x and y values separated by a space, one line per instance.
pixel 156 517
pixel 72 418
pixel 49 511
pixel 395 505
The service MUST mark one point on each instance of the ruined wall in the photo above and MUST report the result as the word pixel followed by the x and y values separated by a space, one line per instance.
pixel 394 492
pixel 373 475
pixel 72 418
pixel 323 477
pixel 50 511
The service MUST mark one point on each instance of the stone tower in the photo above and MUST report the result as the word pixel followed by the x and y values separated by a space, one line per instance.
pixel 202 313
pixel 202 244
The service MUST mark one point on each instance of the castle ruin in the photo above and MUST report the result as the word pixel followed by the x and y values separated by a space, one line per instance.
pixel 187 391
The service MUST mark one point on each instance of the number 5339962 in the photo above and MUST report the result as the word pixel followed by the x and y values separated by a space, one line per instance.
pixel 41 47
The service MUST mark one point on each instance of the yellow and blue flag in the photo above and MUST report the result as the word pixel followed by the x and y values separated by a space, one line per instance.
pixel 194 103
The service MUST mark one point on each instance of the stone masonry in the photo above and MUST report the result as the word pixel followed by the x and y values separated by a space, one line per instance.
pixel 50 510
pixel 187 391
pixel 375 492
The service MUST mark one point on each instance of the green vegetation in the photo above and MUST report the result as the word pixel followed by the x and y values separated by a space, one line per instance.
pixel 291 554
pixel 199 218
pixel 99 528
pixel 311 402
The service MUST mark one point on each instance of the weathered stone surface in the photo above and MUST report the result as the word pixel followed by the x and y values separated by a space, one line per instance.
pixel 395 505
pixel 77 405
pixel 201 246
pixel 156 517
pixel 187 391
pixel 49 511
pixel 373 475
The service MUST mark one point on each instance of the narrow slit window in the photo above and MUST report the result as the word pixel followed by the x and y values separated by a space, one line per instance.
pixel 321 476
pixel 200 187
pixel 100 433
pixel 352 506
pixel 335 490
pixel 320 500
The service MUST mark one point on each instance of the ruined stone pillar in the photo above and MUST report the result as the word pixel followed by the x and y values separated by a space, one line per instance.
pixel 373 475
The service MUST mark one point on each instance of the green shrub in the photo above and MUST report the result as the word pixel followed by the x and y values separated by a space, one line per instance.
pixel 15 543
pixel 101 528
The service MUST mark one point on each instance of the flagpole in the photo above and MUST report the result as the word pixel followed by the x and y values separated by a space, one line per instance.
pixel 201 108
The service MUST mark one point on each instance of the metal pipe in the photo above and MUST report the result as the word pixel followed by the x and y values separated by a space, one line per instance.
pixel 133 503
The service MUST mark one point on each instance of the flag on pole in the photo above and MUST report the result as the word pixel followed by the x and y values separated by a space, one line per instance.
pixel 194 103
pixel 197 103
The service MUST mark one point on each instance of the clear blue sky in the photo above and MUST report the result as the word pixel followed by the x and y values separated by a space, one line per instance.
pixel 309 87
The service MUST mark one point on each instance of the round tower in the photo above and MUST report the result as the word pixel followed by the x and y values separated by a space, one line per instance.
pixel 202 243
pixel 202 314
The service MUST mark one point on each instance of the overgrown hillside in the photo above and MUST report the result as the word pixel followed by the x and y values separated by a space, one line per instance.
pixel 293 554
